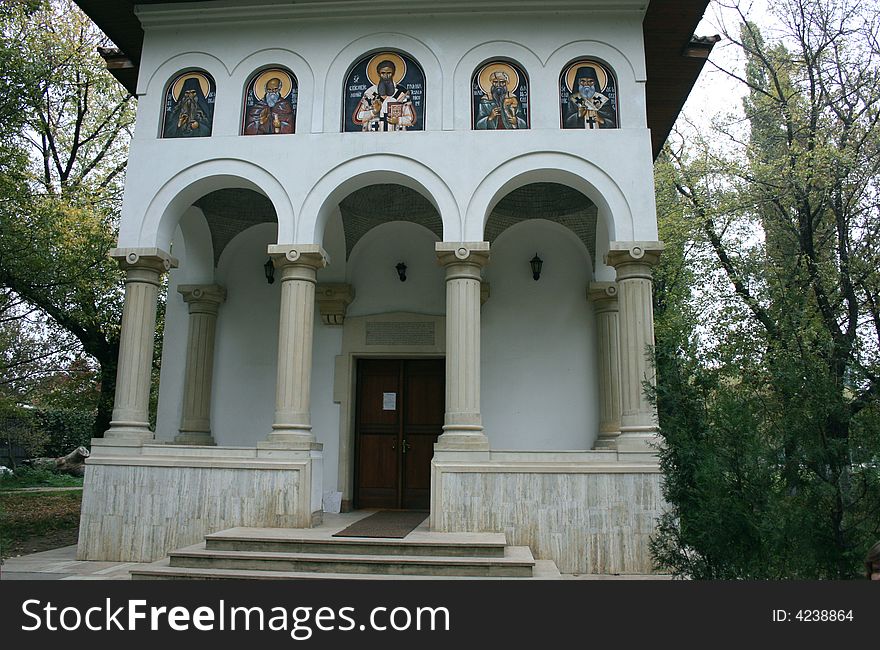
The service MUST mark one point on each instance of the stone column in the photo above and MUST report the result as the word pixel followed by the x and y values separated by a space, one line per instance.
pixel 463 427
pixel 298 265
pixel 603 295
pixel 633 262
pixel 143 269
pixel 204 301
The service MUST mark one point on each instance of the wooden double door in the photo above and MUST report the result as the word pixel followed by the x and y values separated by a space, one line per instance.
pixel 399 415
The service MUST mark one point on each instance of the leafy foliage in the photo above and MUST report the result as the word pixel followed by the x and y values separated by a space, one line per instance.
pixel 66 130
pixel 768 342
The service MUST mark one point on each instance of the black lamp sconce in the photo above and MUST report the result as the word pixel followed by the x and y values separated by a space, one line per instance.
pixel 536 264
pixel 401 271
pixel 269 270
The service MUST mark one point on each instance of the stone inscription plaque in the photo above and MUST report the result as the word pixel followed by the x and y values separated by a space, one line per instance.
pixel 397 333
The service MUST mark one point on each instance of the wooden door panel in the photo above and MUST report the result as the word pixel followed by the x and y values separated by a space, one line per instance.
pixel 377 435
pixel 377 471
pixel 424 398
pixel 388 477
pixel 376 378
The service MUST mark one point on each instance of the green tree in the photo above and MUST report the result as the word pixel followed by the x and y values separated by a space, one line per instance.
pixel 768 361
pixel 67 124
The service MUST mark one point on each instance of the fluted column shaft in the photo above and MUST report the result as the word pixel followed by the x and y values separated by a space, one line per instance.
pixel 298 266
pixel 204 301
pixel 131 408
pixel 463 427
pixel 603 295
pixel 633 262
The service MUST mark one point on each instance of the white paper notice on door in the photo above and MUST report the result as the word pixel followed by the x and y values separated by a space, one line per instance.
pixel 389 401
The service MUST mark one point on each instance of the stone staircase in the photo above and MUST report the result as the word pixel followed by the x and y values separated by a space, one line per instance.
pixel 304 554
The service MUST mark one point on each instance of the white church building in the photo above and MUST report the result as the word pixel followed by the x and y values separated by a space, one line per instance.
pixel 373 294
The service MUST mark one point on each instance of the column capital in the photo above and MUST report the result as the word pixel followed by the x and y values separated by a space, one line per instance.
pixel 471 253
pixel 603 295
pixel 333 300
pixel 641 253
pixel 202 297
pixel 149 259
pixel 310 255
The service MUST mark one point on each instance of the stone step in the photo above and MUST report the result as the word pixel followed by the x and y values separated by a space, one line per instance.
pixel 544 570
pixel 517 562
pixel 292 540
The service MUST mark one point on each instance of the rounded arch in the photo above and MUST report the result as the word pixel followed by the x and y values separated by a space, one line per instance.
pixel 199 248
pixel 459 108
pixel 357 49
pixel 550 167
pixel 190 184
pixel 371 169
pixel 251 65
pixel 623 66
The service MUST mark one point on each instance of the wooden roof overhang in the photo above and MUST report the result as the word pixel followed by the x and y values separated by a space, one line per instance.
pixel 674 56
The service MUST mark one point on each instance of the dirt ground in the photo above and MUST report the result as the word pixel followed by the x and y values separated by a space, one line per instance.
pixel 31 522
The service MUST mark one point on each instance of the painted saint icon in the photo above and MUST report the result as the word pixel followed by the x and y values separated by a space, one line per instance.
pixel 189 106
pixel 384 92
pixel 588 96
pixel 270 103
pixel 501 97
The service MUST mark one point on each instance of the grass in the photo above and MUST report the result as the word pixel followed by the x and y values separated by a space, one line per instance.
pixel 38 521
pixel 25 477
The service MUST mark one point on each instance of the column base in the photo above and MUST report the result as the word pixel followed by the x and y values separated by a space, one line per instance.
pixel 607 440
pixel 291 441
pixel 195 438
pixel 133 431
pixel 639 439
pixel 458 440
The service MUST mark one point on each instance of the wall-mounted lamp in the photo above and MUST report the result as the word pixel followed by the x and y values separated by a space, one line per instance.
pixel 401 271
pixel 536 264
pixel 269 270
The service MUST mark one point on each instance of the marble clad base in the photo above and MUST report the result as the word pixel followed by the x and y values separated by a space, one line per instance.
pixel 137 508
pixel 589 517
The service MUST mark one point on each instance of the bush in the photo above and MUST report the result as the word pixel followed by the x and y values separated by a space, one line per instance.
pixel 37 477
pixel 65 429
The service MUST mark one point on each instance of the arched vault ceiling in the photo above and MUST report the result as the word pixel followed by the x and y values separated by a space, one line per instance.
pixel 551 201
pixel 232 211
pixel 373 205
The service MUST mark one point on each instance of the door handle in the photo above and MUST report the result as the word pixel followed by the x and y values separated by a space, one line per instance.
pixel 394 445
pixel 406 446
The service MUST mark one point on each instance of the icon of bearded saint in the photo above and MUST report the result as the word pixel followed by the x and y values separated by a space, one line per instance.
pixel 271 114
pixel 191 115
pixel 588 103
pixel 501 110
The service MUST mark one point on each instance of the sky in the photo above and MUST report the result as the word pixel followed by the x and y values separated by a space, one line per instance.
pixel 715 92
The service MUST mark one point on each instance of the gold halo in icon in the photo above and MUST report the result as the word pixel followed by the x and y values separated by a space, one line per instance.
pixel 396 59
pixel 601 74
pixel 178 84
pixel 485 81
pixel 274 73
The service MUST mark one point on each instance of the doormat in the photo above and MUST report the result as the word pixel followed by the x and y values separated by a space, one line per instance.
pixel 385 523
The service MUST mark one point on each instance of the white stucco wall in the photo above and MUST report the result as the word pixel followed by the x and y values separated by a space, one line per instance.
pixel 245 361
pixel 372 273
pixel 538 340
pixel 464 172
pixel 538 346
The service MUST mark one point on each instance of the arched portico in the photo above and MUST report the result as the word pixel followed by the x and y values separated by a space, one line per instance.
pixel 550 167
pixel 155 227
pixel 375 169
